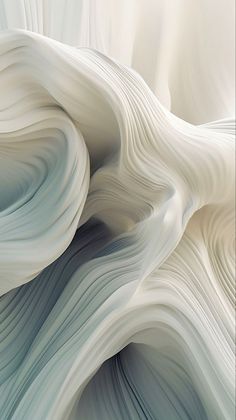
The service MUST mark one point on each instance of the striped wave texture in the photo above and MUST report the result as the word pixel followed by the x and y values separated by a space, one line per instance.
pixel 116 210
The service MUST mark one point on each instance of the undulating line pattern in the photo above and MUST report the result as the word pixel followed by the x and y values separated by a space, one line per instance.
pixel 117 210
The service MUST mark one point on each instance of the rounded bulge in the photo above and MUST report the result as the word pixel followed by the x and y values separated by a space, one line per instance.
pixel 44 178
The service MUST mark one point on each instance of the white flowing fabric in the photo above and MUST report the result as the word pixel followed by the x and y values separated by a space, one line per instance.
pixel 117 131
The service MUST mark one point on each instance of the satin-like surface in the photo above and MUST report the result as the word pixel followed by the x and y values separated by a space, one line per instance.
pixel 117 210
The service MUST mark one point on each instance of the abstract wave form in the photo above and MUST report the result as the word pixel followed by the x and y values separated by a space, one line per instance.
pixel 116 212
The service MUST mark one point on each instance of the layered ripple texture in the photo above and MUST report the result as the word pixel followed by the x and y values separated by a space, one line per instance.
pixel 117 210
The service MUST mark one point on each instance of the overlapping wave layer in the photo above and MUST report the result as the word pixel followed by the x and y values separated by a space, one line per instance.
pixel 116 245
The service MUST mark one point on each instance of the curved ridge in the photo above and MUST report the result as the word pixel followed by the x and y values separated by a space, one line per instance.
pixel 134 317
